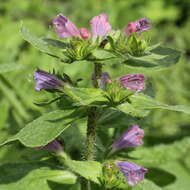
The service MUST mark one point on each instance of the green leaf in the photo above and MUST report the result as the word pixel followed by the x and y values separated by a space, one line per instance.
pixel 22 176
pixel 90 170
pixel 158 57
pixel 7 67
pixel 56 43
pixel 161 154
pixel 146 185
pixel 147 103
pixel 45 128
pixel 140 106
pixel 182 174
pixel 86 96
pixel 50 47
pixel 11 96
pixel 103 54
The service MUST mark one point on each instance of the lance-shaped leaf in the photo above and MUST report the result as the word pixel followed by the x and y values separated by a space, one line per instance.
pixel 103 54
pixel 28 176
pixel 7 67
pixel 90 170
pixel 86 96
pixel 48 46
pixel 157 57
pixel 161 154
pixel 140 105
pixel 45 128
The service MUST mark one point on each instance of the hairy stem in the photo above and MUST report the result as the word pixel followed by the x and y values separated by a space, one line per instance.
pixel 91 127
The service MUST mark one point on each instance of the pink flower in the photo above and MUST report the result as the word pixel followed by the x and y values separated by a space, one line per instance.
pixel 64 27
pixel 130 138
pixel 131 28
pixel 100 26
pixel 133 173
pixel 135 82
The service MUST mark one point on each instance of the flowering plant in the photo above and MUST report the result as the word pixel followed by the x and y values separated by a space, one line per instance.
pixel 105 163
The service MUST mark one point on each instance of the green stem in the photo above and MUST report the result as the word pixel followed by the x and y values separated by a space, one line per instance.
pixel 91 127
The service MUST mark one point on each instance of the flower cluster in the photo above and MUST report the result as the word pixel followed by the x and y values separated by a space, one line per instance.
pixel 65 28
pixel 130 138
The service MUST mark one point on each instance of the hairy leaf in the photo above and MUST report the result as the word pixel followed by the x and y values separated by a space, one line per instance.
pixel 7 67
pixel 45 128
pixel 161 154
pixel 48 46
pixel 90 170
pixel 140 105
pixel 86 96
pixel 22 176
pixel 157 57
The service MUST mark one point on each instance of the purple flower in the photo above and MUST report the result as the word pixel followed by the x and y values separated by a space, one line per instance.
pixel 139 26
pixel 135 82
pixel 53 146
pixel 143 25
pixel 133 173
pixel 105 78
pixel 64 27
pixel 130 138
pixel 45 80
pixel 100 26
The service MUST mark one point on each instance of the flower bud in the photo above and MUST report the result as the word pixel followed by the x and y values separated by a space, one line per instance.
pixel 131 28
pixel 132 172
pixel 105 78
pixel 85 34
pixel 134 82
pixel 44 80
pixel 130 138
pixel 54 146
pixel 138 26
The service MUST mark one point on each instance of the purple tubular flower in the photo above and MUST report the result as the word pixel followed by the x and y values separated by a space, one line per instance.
pixel 130 138
pixel 133 173
pixel 105 78
pixel 135 82
pixel 143 25
pixel 100 26
pixel 45 80
pixel 138 26
pixel 53 146
pixel 64 27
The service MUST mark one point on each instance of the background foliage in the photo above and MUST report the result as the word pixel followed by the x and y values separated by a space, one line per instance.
pixel 165 131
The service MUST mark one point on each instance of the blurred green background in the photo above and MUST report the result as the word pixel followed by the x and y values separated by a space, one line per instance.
pixel 18 61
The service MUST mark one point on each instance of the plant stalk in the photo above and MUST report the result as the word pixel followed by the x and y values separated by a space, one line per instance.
pixel 91 127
